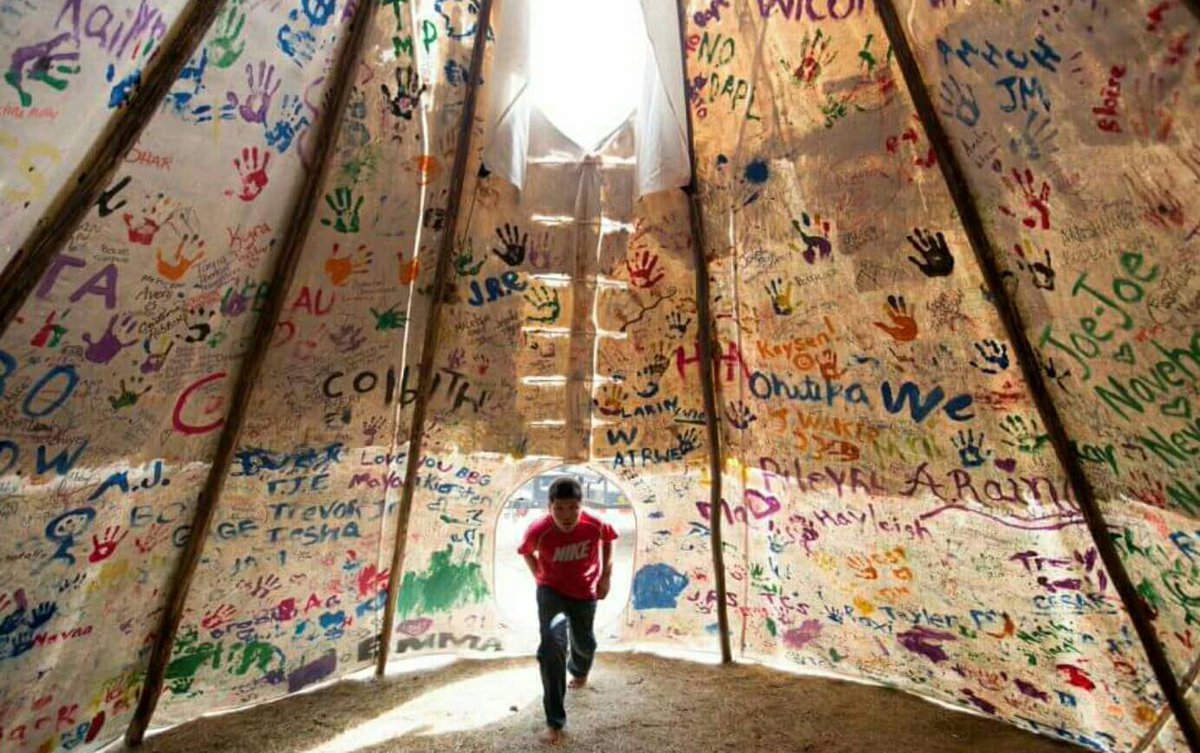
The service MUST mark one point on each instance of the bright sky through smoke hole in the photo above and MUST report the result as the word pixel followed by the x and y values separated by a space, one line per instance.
pixel 587 64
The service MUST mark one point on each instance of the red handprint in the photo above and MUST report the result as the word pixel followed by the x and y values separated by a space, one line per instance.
pixel 643 274
pixel 102 549
pixel 215 618
pixel 157 534
pixel 1036 198
pixel 252 172
pixel 263 586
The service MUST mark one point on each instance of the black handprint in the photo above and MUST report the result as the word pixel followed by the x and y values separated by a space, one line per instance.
pixel 514 244
pixel 42 614
pixel 408 93
pixel 740 415
pixel 688 441
pixel 994 356
pixel 677 322
pixel 936 260
pixel 970 449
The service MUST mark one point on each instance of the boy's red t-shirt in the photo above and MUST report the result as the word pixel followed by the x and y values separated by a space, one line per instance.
pixel 568 562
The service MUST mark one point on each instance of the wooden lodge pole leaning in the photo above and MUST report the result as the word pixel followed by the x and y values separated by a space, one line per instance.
pixel 1014 328
pixel 78 195
pixel 441 276
pixel 284 269
pixel 708 383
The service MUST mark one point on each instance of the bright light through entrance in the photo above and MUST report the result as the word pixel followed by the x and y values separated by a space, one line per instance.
pixel 514 585
pixel 587 64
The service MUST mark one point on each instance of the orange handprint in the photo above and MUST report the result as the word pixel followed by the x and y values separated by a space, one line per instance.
pixel 174 271
pixel 339 268
pixel 903 327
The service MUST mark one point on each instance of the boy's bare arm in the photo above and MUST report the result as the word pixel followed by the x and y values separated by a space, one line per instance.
pixel 606 572
pixel 533 564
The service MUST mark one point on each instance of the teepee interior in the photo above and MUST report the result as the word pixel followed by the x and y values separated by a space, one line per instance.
pixel 872 326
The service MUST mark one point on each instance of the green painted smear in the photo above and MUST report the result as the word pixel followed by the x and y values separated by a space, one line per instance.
pixel 442 587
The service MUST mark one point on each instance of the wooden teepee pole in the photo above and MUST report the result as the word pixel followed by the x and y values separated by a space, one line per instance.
pixel 284 269
pixel 1014 329
pixel 77 196
pixel 708 383
pixel 441 278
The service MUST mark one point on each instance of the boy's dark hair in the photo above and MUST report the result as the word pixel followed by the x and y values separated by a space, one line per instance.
pixel 565 487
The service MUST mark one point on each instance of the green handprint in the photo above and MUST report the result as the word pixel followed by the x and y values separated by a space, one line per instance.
pixel 544 299
pixel 464 261
pixel 341 201
pixel 226 45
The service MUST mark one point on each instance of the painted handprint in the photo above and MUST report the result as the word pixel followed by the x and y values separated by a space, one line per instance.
pixel 815 233
pixel 1026 435
pixel 127 397
pixel 514 244
pixel 41 63
pixel 338 269
pixel 345 211
pixel 1035 198
pixel 347 338
pixel 215 618
pixel 390 318
pixel 993 356
pixel 936 259
pixel 545 302
pixel 154 216
pixel 740 415
pixel 781 297
pixel 263 585
pixel 827 364
pixel 262 86
pixel 465 264
pixel 226 44
pixel 1037 137
pixel 611 400
pixel 409 270
pixel 103 548
pixel 318 12
pixel 1042 273
pixel 959 102
pixel 644 273
pixel 109 345
pixel 903 326
pixel 175 270
pixel 253 173
pixel 372 428
pixel 291 123
pixel 407 95
pixel 970 449
pixel 815 56
pixel 688 440
pixel 154 361
pixel 677 323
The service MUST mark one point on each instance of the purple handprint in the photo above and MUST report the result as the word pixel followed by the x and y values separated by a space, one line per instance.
pixel 41 62
pixel 108 346
pixel 262 89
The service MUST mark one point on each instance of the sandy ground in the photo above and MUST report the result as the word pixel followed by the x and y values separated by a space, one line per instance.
pixel 633 703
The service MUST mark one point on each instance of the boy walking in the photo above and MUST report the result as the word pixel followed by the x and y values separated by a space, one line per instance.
pixel 569 553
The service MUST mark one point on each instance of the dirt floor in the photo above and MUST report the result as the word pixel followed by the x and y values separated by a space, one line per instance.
pixel 633 703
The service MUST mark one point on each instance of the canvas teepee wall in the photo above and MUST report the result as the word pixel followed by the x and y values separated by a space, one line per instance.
pixel 237 325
